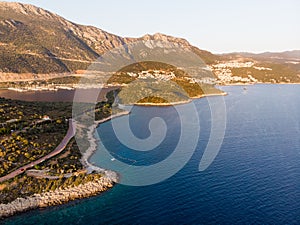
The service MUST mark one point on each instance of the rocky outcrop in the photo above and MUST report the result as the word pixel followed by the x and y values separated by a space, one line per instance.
pixel 52 44
pixel 59 196
pixel 48 38
pixel 166 38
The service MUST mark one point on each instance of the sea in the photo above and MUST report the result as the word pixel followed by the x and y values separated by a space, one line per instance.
pixel 60 95
pixel 254 177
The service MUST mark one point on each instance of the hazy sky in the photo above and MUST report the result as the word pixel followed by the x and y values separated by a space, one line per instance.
pixel 215 25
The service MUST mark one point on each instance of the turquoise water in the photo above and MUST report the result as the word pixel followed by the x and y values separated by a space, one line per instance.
pixel 255 178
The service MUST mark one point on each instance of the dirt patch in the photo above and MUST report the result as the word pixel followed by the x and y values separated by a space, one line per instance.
pixel 2 186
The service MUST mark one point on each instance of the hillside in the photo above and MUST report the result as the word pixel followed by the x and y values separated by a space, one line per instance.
pixel 38 42
pixel 158 83
pixel 268 67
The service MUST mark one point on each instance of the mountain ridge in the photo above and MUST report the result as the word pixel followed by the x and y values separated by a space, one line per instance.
pixel 37 41
pixel 49 36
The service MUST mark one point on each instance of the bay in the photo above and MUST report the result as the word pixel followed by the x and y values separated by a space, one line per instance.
pixel 255 178
pixel 61 95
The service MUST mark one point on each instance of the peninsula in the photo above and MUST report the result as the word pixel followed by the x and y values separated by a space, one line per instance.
pixel 40 162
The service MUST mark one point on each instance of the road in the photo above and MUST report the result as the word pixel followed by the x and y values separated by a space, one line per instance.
pixel 70 133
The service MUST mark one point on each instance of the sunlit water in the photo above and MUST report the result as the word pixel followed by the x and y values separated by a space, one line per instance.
pixel 255 178
pixel 61 95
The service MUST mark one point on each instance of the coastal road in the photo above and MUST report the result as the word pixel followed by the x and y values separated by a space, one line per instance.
pixel 69 135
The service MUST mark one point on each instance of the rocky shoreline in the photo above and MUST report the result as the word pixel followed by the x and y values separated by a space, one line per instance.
pixel 62 196
pixel 59 196
pixel 93 145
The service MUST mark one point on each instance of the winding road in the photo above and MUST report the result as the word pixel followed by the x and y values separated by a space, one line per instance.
pixel 69 135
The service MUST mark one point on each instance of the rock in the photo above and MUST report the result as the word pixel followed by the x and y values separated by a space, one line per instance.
pixel 57 197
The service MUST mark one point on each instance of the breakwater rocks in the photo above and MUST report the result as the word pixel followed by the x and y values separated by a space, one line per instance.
pixel 59 196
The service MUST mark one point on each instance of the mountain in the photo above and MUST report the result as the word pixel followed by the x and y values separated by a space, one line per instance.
pixel 287 55
pixel 36 41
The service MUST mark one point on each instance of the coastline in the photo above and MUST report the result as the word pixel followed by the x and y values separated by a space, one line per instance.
pixel 177 103
pixel 74 87
pixel 208 95
pixel 57 197
pixel 161 104
pixel 93 146
pixel 62 196
pixel 91 129
pixel 109 178
pixel 257 83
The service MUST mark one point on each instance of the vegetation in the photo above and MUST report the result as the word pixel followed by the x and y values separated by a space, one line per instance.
pixel 194 90
pixel 122 77
pixel 150 90
pixel 64 80
pixel 206 56
pixel 34 137
pixel 31 46
pixel 42 42
pixel 152 65
pixel 27 112
pixel 279 73
pixel 55 168
pixel 29 131
pixel 32 143
pixel 46 43
pixel 65 163
pixel 23 185
pixel 39 82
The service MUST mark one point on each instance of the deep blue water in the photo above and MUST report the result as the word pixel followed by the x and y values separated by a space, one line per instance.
pixel 255 178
